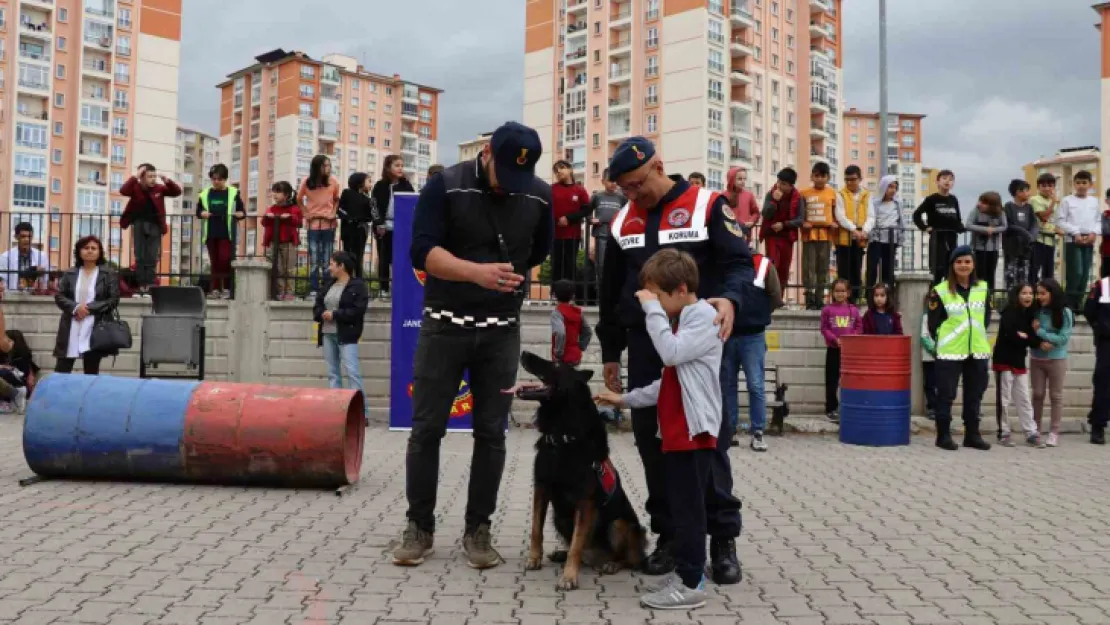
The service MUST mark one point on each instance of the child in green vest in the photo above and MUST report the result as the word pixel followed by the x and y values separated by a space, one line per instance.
pixel 219 206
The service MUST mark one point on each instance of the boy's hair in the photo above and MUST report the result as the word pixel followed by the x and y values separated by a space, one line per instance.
pixel 669 269
pixel 945 172
pixel 24 226
pixel 993 202
pixel 563 291
pixel 1017 185
pixel 282 186
pixel 1048 179
pixel 435 169
pixel 821 169
pixel 145 167
pixel 1083 174
pixel 891 305
pixel 219 170
pixel 851 170
pixel 788 175
pixel 698 175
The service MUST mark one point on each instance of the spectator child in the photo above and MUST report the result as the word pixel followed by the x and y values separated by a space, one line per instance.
pixel 569 335
pixel 696 179
pixel 817 228
pixel 1104 249
pixel 282 235
pixel 1079 218
pixel 886 235
pixel 928 363
pixel 18 371
pixel 1048 364
pixel 742 201
pixel 1044 207
pixel 219 206
pixel 782 217
pixel 939 215
pixel 1016 334
pixel 855 223
pixel 882 317
pixel 356 216
pixel 393 181
pixel 987 222
pixel 689 405
pixel 1022 227
pixel 839 318
pixel 570 204
pixel 604 205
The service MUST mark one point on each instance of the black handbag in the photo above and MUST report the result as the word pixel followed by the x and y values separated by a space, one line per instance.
pixel 110 334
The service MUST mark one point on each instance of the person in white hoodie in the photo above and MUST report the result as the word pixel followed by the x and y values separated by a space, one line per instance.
pixel 1080 220
pixel 23 257
pixel 886 232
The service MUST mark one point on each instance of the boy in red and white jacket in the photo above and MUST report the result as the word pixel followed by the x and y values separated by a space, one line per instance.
pixel 570 337
pixel 688 400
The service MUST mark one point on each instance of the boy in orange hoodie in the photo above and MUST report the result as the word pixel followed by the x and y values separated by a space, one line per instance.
pixel 820 205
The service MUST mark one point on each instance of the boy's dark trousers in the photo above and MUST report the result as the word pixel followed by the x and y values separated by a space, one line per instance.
pixel 849 266
pixel 354 238
pixel 929 371
pixel 832 379
pixel 722 508
pixel 1044 262
pixel 692 479
pixel 1100 410
pixel 986 262
pixel 880 263
pixel 941 245
pixel 1104 267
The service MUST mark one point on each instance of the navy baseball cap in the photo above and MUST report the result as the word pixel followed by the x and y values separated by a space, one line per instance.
pixel 963 250
pixel 633 153
pixel 515 148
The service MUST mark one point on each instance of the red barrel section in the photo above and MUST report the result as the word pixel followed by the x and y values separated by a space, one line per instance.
pixel 253 433
pixel 875 363
pixel 875 377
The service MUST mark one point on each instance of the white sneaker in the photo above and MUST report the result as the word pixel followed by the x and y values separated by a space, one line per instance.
pixel 1053 439
pixel 758 444
pixel 676 596
pixel 20 401
pixel 225 294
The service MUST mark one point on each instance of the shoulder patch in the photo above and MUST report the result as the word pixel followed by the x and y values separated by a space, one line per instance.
pixel 933 303
pixel 727 211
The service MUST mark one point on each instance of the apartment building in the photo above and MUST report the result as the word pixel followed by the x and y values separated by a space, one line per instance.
pixel 1064 165
pixel 715 83
pixel 88 89
pixel 197 152
pixel 287 107
pixel 1103 27
pixel 469 150
pixel 903 150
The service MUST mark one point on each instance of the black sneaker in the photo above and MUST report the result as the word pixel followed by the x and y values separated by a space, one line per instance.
pixel 661 561
pixel 724 565
pixel 833 417
pixel 1098 435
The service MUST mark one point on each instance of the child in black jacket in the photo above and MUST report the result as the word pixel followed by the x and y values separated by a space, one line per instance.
pixel 1017 333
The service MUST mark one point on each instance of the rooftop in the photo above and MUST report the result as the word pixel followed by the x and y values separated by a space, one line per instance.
pixel 853 112
pixel 279 56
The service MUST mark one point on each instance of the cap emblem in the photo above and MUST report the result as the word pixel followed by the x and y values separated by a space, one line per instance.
pixel 523 158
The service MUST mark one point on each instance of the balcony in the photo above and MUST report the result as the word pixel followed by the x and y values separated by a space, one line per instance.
pixel 741 16
pixel 330 74
pixel 819 105
pixel 817 131
pixel 35 115
pixel 98 42
pixel 621 46
pixel 94 95
pixel 743 103
pixel 576 57
pixel 121 78
pixel 621 103
pixel 90 153
pixel 816 157
pixel 821 53
pixel 577 29
pixel 329 131
pixel 619 74
pixel 622 18
pixel 576 6
pixel 34 53
pixel 46 5
pixel 39 86
pixel 816 30
pixel 740 77
pixel 32 174
pixel 740 157
pixel 821 6
pixel 36 28
pixel 742 46
pixel 619 129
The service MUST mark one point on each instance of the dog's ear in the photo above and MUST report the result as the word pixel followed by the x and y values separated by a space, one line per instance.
pixel 542 369
pixel 584 374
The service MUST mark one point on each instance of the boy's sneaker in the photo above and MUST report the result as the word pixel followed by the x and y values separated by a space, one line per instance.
pixel 663 582
pixel 20 401
pixel 1098 435
pixel 416 544
pixel 225 294
pixel 833 417
pixel 676 596
pixel 1053 439
pixel 757 441
pixel 478 546
pixel 735 440
pixel 1006 440
pixel 1034 441
pixel 931 414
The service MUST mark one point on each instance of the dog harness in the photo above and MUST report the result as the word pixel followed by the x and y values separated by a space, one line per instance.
pixel 607 477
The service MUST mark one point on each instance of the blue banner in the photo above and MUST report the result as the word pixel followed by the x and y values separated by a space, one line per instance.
pixel 408 312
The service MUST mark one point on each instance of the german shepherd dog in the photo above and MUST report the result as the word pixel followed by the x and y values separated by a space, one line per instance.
pixel 573 474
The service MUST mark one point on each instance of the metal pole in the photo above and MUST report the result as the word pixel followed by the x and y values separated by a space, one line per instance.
pixel 883 167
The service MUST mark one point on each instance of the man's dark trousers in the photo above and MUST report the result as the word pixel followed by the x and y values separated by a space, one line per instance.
pixel 443 352
pixel 1100 410
pixel 722 508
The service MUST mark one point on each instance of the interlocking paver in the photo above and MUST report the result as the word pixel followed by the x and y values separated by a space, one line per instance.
pixel 833 536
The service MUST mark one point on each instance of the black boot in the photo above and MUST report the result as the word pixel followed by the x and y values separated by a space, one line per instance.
pixel 724 565
pixel 1098 435
pixel 944 436
pixel 972 438
pixel 661 561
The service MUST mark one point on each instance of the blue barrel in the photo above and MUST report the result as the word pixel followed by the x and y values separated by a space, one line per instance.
pixel 875 390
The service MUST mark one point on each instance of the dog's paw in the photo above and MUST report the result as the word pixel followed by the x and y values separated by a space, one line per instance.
pixel 533 563
pixel 567 583
pixel 609 568
pixel 558 556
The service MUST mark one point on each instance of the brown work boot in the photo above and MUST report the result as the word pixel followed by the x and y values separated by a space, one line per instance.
pixel 478 546
pixel 416 544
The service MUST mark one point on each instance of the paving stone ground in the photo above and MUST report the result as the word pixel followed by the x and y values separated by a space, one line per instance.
pixel 834 535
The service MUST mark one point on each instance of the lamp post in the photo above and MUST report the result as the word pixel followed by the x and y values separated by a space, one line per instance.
pixel 883 156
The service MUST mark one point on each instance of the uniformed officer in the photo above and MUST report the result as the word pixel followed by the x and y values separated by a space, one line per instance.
pixel 1097 312
pixel 959 313
pixel 479 227
pixel 663 212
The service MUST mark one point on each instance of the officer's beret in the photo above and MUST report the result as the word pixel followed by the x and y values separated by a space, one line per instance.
pixel 631 154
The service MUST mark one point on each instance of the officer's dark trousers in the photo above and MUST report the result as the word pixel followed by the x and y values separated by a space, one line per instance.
pixel 1100 411
pixel 443 352
pixel 721 507
pixel 975 378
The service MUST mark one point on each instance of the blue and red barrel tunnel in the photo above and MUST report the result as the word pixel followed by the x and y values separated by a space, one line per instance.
pixel 109 428
pixel 875 378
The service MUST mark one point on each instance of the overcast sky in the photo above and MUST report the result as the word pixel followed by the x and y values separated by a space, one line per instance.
pixel 1002 81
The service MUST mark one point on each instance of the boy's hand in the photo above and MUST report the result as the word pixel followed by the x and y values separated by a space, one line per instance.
pixel 609 398
pixel 1046 346
pixel 777 227
pixel 806 225
pixel 645 296
pixel 776 194
pixel 205 215
pixel 1023 336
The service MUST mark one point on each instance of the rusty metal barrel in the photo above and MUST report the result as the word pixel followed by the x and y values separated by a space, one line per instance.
pixel 109 428
pixel 875 390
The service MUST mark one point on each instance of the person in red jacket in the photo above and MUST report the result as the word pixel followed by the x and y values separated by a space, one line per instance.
pixel 146 210
pixel 281 229
pixel 570 204
pixel 570 336
pixel 782 216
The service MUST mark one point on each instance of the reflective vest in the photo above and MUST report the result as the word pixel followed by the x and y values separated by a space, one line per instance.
pixel 963 334
pixel 232 193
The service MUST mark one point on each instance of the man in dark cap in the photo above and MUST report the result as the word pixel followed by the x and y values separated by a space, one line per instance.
pixel 665 213
pixel 479 227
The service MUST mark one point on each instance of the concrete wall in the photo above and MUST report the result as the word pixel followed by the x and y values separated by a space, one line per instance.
pixel 275 342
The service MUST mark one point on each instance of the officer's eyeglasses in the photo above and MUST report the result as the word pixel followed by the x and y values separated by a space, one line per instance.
pixel 634 186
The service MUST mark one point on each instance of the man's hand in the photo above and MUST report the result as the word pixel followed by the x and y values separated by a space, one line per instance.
pixel 777 227
pixel 497 277
pixel 285 216
pixel 1023 336
pixel 521 386
pixel 205 215
pixel 563 222
pixel 750 224
pixel 141 172
pixel 240 215
pixel 644 296
pixel 776 195
pixel 1036 324
pixel 327 316
pixel 81 312
pixel 609 398
pixel 726 314
pixel 611 371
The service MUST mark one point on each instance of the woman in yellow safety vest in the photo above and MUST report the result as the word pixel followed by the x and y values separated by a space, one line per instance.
pixel 958 316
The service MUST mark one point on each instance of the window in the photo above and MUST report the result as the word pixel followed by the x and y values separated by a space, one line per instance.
pixel 790 41
pixel 116 207
pixel 716 61
pixel 855 138
pixel 790 15
pixel 119 126
pixel 373 123
pixel 714 180
pixel 354 120
pixel 123 73
pixel 715 6
pixel 90 201
pixel 790 119
pixel 789 93
pixel 716 151
pixel 59 100
pixel 387 143
pixel 907 141
pixel 716 91
pixel 716 32
pixel 308 91
pixel 775 140
pixel 58 127
pixel 306 109
pixel 716 118
pixel 30 165
pixel 652 123
pixel 388 109
pixel 32 196
pixel 389 90
pixel 125 18
pixel 63 14
pixel 123 45
pixel 308 72
pixel 119 154
pixel 871 124
pixel 354 101
pixel 774 34
pixel 60 72
pixel 652 97
pixel 854 124
pixel 870 171
pixel 775 61
pixel 120 99
pixel 56 156
pixel 871 139
pixel 774 87
pixel 871 154
pixel 907 125
pixel 116 180
pixel 789 145
pixel 30 136
pixel 789 67
pixel 93 116
pixel 652 66
pixel 775 11
pixel 372 106
pixel 304 127
pixel 653 38
pixel 597 140
pixel 774 113
pixel 652 10
pixel 597 112
pixel 908 156
pixel 855 154
pixel 597 28
pixel 370 140
pixel 388 126
pixel 354 137
pixel 61 43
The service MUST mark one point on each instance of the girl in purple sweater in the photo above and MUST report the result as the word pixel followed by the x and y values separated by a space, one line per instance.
pixel 839 318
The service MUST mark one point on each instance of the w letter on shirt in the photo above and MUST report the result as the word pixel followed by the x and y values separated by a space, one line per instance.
pixel 843 322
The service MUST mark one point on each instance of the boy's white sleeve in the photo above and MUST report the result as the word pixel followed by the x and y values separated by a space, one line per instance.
pixel 644 397
pixel 841 217
pixel 1062 221
pixel 693 339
